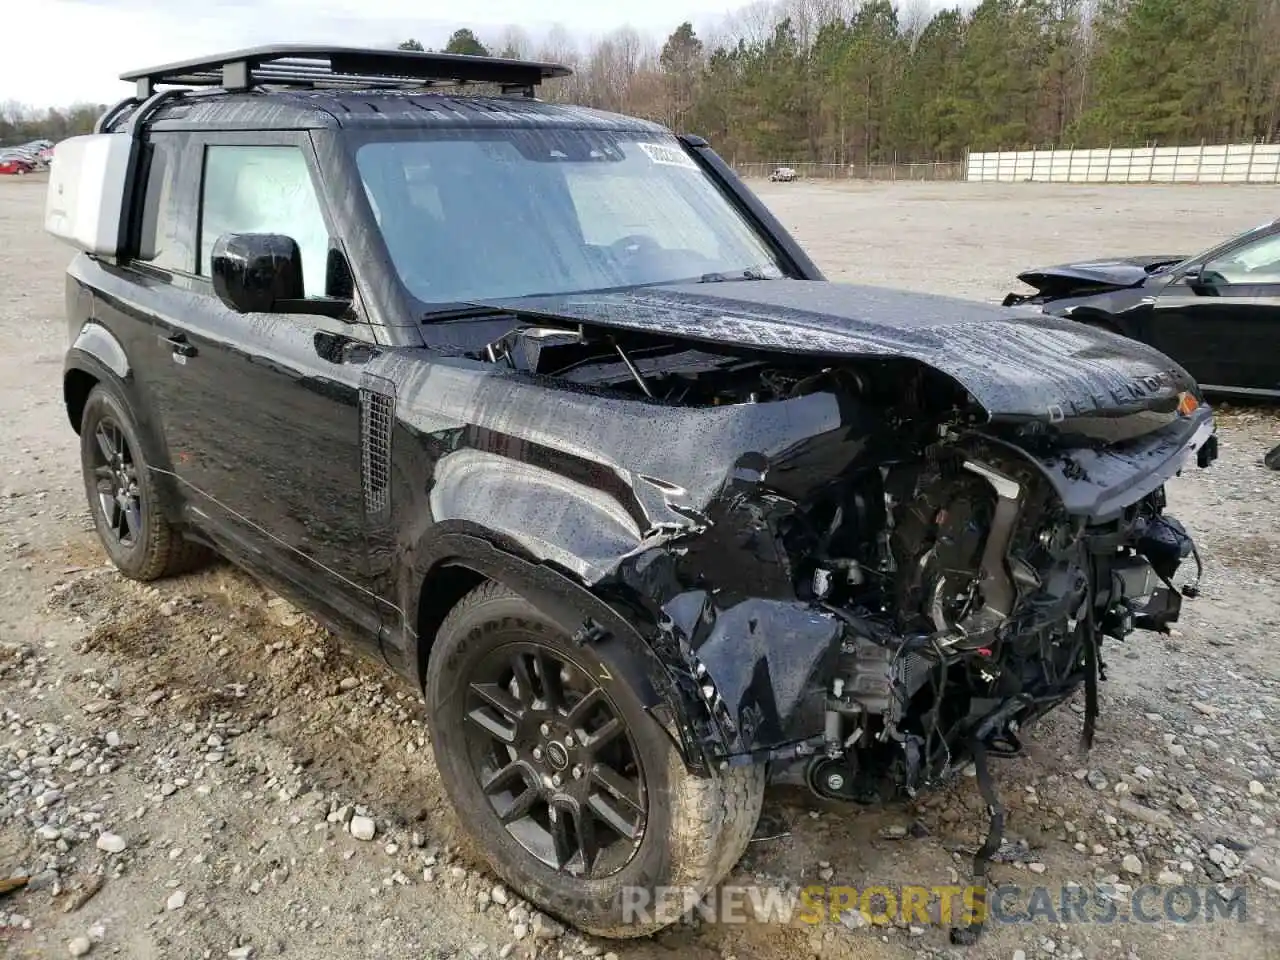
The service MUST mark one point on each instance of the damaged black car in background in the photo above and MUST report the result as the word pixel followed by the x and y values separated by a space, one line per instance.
pixel 544 408
pixel 1217 313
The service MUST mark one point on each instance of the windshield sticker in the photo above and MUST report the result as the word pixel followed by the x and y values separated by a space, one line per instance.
pixel 667 155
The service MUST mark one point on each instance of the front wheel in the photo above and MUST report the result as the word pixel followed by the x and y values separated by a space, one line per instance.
pixel 575 796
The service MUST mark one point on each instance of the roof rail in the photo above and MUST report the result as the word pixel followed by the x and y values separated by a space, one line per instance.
pixel 309 65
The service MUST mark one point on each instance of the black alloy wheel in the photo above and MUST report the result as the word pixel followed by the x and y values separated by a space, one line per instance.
pixel 576 795
pixel 555 760
pixel 115 473
pixel 129 509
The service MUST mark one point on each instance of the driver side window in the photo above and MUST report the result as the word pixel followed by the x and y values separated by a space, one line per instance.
pixel 263 189
pixel 1253 263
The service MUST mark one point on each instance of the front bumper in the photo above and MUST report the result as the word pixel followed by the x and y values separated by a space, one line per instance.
pixel 1099 484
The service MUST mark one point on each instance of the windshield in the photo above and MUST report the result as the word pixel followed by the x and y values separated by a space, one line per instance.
pixel 510 213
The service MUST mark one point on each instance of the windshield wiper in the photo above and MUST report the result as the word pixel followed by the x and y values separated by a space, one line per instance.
pixel 463 312
pixel 751 273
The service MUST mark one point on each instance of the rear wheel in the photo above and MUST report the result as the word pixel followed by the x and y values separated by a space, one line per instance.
pixel 123 496
pixel 575 796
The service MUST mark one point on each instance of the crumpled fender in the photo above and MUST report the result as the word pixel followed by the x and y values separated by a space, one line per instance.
pixel 580 527
pixel 727 611
pixel 628 659
pixel 764 663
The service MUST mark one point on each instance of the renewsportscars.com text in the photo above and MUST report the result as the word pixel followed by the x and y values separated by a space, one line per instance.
pixel 946 905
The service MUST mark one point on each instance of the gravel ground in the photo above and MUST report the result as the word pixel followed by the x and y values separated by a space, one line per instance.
pixel 195 769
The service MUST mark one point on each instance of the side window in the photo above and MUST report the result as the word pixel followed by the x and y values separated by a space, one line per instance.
pixel 1253 263
pixel 159 238
pixel 263 190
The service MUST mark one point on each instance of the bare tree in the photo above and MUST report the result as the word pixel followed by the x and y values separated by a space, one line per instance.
pixel 914 15
pixel 514 42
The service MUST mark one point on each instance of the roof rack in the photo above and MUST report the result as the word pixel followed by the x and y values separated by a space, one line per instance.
pixel 307 65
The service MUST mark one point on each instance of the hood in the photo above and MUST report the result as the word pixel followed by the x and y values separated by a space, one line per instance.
pixel 1015 363
pixel 1095 276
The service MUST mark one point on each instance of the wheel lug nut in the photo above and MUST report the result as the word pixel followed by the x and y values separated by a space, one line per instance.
pixel 545 729
pixel 555 780
pixel 568 740
pixel 577 771
pixel 537 753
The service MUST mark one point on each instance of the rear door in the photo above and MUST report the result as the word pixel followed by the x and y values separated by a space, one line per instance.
pixel 261 413
pixel 1221 320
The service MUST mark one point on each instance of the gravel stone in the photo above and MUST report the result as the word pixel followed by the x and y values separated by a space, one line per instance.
pixel 111 843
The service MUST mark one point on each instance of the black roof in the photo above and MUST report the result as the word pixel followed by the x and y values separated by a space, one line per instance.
pixel 372 109
pixel 311 65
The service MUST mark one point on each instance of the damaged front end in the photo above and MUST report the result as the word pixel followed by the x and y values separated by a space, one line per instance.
pixel 909 587
pixel 883 628
pixel 871 605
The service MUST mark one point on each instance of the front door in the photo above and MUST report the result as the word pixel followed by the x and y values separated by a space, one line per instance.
pixel 261 412
pixel 1222 319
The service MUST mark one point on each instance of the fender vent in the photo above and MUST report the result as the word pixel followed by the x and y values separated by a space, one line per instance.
pixel 377 417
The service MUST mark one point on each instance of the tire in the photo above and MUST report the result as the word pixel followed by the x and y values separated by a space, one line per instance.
pixel 140 541
pixel 693 829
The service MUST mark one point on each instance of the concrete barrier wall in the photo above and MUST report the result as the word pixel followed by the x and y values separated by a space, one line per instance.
pixel 1221 163
pixel 808 170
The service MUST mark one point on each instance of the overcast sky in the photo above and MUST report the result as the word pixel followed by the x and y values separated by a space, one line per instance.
pixel 55 52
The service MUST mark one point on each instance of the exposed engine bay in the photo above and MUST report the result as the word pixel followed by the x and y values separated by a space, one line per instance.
pixel 872 613
pixel 969 600
pixel 976 608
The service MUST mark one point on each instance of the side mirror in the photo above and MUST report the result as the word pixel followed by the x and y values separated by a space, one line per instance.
pixel 262 273
pixel 252 272
pixel 1203 281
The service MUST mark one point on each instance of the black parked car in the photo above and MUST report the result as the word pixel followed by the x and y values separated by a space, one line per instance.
pixel 541 407
pixel 1217 313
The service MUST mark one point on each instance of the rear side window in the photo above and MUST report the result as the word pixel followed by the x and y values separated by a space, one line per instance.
pixel 263 190
pixel 160 241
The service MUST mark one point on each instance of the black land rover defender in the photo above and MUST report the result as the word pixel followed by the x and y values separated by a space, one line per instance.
pixel 541 407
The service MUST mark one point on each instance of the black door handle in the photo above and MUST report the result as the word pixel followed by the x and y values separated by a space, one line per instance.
pixel 181 348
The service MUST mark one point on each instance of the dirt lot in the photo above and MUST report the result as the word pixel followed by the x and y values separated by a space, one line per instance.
pixel 178 765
